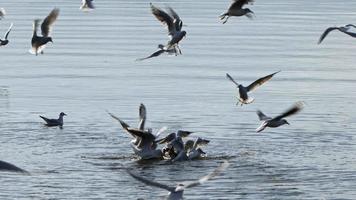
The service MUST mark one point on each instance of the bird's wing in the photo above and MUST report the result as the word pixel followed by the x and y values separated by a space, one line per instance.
pixel 259 82
pixel 211 175
pixel 294 109
pixel 178 23
pixel 160 131
pixel 149 182
pixel 167 139
pixel 49 121
pixel 48 22
pixel 350 33
pixel 237 4
pixel 262 116
pixel 326 32
pixel 231 79
pixel 123 124
pixel 36 23
pixel 8 31
pixel 164 18
pixel 142 115
pixel 90 4
pixel 181 133
pixel 155 54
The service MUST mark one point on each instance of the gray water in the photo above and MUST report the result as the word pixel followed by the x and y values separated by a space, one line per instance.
pixel 91 68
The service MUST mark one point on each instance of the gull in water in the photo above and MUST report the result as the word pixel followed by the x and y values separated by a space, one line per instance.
pixel 54 122
pixel 5 166
pixel 236 9
pixel 39 42
pixel 344 29
pixel 144 143
pixel 161 49
pixel 192 148
pixel 244 99
pixel 5 41
pixel 174 25
pixel 87 5
pixel 176 193
pixel 279 120
pixel 2 13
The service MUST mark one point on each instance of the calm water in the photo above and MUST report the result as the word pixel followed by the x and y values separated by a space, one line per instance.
pixel 90 68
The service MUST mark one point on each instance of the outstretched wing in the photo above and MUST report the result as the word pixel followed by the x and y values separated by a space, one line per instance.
pixel 167 139
pixel 164 18
pixel 48 22
pixel 155 54
pixel 293 110
pixel 123 124
pixel 259 82
pixel 203 179
pixel 326 32
pixel 349 33
pixel 231 79
pixel 178 23
pixel 8 31
pixel 160 131
pixel 36 23
pixel 262 116
pixel 237 4
pixel 149 182
pixel 142 115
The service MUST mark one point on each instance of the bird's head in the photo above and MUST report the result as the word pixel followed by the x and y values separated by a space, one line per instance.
pixel 62 114
pixel 184 34
pixel 49 39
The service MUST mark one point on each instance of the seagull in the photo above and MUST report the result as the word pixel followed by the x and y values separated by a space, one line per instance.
pixel 2 13
pixel 192 148
pixel 54 122
pixel 161 49
pixel 6 41
pixel 236 9
pixel 244 99
pixel 176 193
pixel 144 144
pixel 279 120
pixel 38 42
pixel 174 25
pixel 343 29
pixel 87 5
pixel 5 166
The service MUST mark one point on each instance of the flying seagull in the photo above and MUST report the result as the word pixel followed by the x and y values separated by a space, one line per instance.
pixel 6 41
pixel 244 99
pixel 343 29
pixel 87 5
pixel 174 25
pixel 236 9
pixel 176 193
pixel 54 122
pixel 279 120
pixel 38 42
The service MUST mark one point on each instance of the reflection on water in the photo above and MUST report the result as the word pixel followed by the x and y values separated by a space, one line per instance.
pixel 91 68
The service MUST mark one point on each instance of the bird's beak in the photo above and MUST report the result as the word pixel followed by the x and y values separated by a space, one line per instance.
pixel 65 114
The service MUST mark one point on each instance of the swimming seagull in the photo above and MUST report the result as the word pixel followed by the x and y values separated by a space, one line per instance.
pixel 87 5
pixel 144 144
pixel 6 41
pixel 38 42
pixel 344 29
pixel 176 193
pixel 244 99
pixel 236 9
pixel 54 122
pixel 174 25
pixel 279 120
pixel 5 166
pixel 2 13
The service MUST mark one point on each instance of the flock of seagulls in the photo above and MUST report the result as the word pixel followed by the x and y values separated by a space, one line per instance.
pixel 175 146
